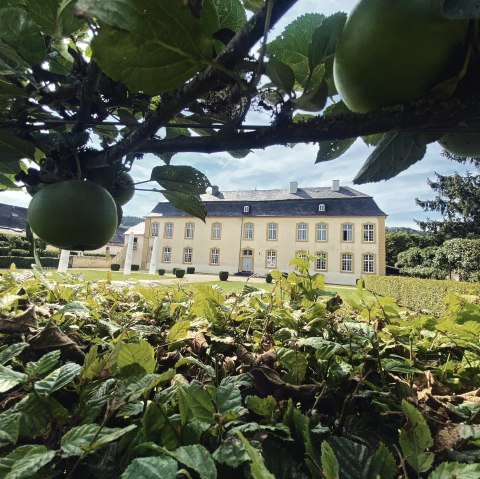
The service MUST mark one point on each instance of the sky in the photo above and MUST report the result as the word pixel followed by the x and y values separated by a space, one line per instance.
pixel 276 166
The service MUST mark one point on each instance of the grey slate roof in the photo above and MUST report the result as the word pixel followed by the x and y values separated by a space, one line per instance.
pixel 345 202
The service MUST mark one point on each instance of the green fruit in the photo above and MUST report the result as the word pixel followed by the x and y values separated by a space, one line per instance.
pixel 105 176
pixel 463 143
pixel 396 51
pixel 123 189
pixel 73 215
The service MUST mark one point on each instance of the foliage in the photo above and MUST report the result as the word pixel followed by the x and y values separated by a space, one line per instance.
pixel 27 261
pixel 108 380
pixel 398 241
pixel 185 80
pixel 458 201
pixel 460 257
pixel 419 294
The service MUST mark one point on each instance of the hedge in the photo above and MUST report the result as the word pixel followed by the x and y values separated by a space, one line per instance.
pixel 115 267
pixel 419 294
pixel 26 262
pixel 135 267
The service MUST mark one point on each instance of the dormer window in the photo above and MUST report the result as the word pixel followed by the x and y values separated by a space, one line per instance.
pixel 321 207
pixel 246 209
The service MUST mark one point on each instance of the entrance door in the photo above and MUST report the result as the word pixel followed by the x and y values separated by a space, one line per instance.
pixel 247 260
pixel 247 265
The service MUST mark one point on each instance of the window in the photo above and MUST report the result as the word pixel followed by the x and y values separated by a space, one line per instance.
pixel 321 207
pixel 347 232
pixel 214 256
pixel 216 230
pixel 302 232
pixel 168 233
pixel 135 244
pixel 347 263
pixel 189 230
pixel 368 263
pixel 247 252
pixel 272 232
pixel 321 261
pixel 321 232
pixel 301 254
pixel 167 254
pixel 246 209
pixel 248 231
pixel 154 229
pixel 271 259
pixel 368 233
pixel 187 255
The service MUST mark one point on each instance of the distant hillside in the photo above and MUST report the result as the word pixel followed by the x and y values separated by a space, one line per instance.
pixel 403 229
pixel 129 221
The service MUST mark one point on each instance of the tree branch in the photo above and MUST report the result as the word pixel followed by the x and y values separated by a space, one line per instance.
pixel 420 116
pixel 89 86
pixel 174 102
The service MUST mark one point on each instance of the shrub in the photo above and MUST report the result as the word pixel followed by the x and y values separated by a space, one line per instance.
pixel 4 250
pixel 223 275
pixel 26 262
pixel 191 270
pixel 50 253
pixel 419 294
pixel 161 272
pixel 115 267
pixel 268 278
pixel 179 273
pixel 135 267
pixel 174 270
pixel 20 252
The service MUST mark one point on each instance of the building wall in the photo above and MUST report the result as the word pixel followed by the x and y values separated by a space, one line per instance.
pixel 232 244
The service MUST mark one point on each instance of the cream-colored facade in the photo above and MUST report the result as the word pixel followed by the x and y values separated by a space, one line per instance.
pixel 344 246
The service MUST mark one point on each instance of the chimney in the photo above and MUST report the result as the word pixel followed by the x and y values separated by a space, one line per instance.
pixel 215 190
pixel 293 186
pixel 336 185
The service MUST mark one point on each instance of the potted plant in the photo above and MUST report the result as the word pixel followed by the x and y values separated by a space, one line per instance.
pixel 268 278
pixel 179 273
pixel 223 275
pixel 115 267
pixel 191 270
pixel 161 272
pixel 135 267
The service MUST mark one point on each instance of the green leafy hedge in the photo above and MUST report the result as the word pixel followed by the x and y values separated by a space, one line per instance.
pixel 419 294
pixel 26 262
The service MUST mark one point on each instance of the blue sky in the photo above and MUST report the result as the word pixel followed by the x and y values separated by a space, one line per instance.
pixel 275 167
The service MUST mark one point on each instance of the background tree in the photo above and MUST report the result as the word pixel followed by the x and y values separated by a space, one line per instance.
pixel 396 242
pixel 458 201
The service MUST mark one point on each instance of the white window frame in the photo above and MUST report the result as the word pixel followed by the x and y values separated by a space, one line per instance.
pixel 272 232
pixel 368 233
pixel 167 254
pixel 189 230
pixel 347 232
pixel 347 263
pixel 302 232
pixel 154 229
pixel 249 229
pixel 216 231
pixel 321 256
pixel 187 255
pixel 215 256
pixel 168 231
pixel 271 258
pixel 368 263
pixel 321 232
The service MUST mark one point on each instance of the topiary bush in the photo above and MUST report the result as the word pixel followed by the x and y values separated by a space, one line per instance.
pixel 115 267
pixel 223 275
pixel 19 252
pixel 191 270
pixel 174 270
pixel 26 262
pixel 268 278
pixel 135 267
pixel 161 272
pixel 179 273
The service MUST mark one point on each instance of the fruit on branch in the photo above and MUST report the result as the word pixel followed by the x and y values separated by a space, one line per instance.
pixel 73 215
pixel 463 143
pixel 105 176
pixel 395 51
pixel 123 189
